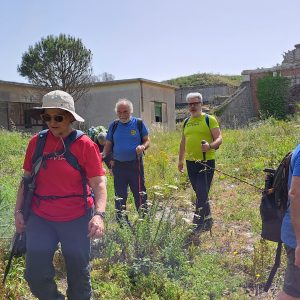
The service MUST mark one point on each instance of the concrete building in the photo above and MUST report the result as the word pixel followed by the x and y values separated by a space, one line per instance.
pixel 15 101
pixel 154 102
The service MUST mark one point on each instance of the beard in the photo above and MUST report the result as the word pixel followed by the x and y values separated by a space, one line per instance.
pixel 125 120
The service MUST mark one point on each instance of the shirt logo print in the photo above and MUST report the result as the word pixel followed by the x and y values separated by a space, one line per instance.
pixel 133 132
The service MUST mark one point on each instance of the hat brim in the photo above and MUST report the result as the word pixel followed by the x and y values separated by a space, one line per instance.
pixel 76 116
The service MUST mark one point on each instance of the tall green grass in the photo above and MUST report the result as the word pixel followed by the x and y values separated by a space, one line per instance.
pixel 153 260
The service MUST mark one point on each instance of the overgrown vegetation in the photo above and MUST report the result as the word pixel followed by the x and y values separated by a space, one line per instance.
pixel 154 260
pixel 205 79
pixel 272 93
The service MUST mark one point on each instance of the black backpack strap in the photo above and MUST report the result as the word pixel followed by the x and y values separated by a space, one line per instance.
pixel 207 120
pixel 140 128
pixel 185 122
pixel 40 144
pixel 69 156
pixel 72 160
pixel 39 158
pixel 114 127
pixel 275 267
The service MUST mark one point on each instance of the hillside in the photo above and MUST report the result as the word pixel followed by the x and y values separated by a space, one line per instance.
pixel 205 79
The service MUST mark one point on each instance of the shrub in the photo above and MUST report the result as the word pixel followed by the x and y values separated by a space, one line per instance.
pixel 272 93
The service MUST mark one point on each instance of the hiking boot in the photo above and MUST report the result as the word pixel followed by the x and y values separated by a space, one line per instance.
pixel 206 226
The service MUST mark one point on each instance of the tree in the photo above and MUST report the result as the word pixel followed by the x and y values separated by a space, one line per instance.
pixel 61 62
pixel 105 76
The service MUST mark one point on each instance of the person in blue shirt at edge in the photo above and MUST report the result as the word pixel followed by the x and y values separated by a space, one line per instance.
pixel 127 145
pixel 290 232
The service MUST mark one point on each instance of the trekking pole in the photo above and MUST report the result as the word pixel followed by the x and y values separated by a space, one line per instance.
pixel 231 176
pixel 141 193
pixel 205 180
pixel 14 244
pixel 19 243
pixel 139 178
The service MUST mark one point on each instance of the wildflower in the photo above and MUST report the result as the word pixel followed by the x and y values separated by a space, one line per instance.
pixel 158 194
pixel 257 275
pixel 235 252
pixel 174 187
pixel 157 187
pixel 186 220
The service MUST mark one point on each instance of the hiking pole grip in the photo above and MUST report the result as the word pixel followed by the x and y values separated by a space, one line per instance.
pixel 204 153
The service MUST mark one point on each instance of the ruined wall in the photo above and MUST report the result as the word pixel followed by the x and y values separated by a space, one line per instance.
pixel 238 110
pixel 209 93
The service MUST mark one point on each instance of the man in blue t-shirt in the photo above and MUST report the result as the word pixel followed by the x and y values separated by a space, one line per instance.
pixel 290 232
pixel 127 139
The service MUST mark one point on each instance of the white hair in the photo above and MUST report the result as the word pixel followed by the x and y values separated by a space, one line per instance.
pixel 194 95
pixel 124 102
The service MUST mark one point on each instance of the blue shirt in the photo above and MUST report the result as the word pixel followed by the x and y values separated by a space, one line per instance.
pixel 125 139
pixel 287 232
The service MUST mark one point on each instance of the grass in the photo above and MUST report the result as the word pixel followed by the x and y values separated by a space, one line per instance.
pixel 154 262
pixel 205 79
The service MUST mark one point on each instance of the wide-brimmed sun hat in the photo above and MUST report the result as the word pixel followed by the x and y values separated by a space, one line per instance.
pixel 62 100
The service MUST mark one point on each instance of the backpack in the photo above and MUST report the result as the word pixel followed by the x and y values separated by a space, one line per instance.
pixel 274 203
pixel 68 155
pixel 139 126
pixel 93 132
pixel 206 120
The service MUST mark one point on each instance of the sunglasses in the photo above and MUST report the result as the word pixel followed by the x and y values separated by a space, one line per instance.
pixel 56 118
pixel 193 104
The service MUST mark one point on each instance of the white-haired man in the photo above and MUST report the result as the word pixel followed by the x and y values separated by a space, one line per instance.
pixel 127 139
pixel 201 136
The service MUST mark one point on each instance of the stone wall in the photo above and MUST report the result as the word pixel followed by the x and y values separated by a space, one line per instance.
pixel 238 110
pixel 209 93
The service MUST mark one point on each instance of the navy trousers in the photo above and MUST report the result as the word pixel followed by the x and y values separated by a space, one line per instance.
pixel 129 173
pixel 42 239
pixel 201 181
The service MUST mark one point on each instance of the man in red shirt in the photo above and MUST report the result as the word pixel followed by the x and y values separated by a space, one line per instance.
pixel 62 206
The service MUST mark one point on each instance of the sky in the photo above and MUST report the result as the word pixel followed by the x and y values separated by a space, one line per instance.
pixel 157 39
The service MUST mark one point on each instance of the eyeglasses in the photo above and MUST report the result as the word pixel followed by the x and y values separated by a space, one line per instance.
pixel 56 118
pixel 193 104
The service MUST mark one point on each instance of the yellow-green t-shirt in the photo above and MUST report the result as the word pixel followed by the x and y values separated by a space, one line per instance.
pixel 195 131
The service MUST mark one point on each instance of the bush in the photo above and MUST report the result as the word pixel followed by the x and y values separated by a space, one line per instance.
pixel 272 93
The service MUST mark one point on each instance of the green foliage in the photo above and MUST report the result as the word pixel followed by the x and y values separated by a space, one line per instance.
pixel 153 261
pixel 12 151
pixel 272 93
pixel 61 62
pixel 205 79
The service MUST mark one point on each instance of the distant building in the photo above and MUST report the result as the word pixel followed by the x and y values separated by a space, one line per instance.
pixel 289 68
pixel 242 107
pixel 154 102
pixel 15 101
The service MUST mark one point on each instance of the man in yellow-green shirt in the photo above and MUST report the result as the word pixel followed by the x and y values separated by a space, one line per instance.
pixel 201 136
